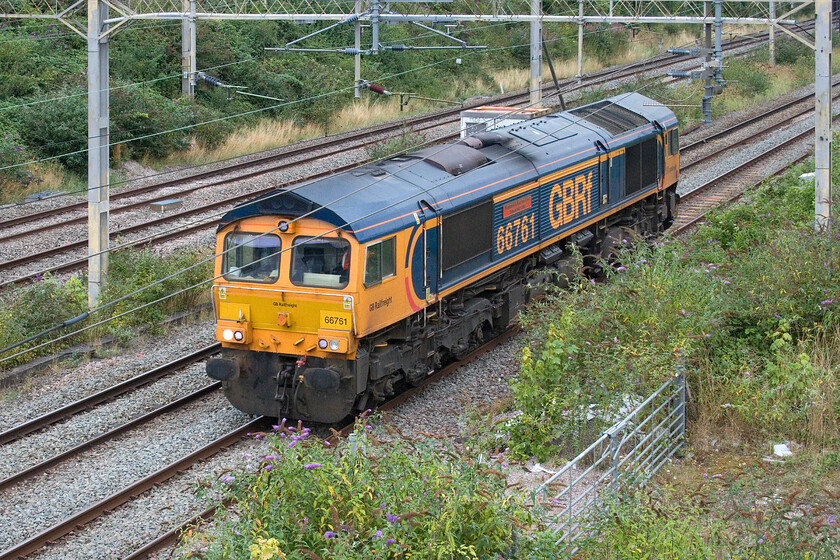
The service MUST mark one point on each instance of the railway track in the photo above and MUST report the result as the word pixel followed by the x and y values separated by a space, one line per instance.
pixel 245 170
pixel 79 519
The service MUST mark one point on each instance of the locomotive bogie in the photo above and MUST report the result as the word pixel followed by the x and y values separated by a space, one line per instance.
pixel 327 303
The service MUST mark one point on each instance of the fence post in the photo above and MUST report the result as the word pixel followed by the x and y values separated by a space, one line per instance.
pixel 680 380
pixel 613 450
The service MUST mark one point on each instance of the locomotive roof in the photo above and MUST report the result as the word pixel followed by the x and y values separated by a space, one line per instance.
pixel 379 199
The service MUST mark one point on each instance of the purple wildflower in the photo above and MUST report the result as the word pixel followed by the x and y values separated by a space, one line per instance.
pixel 832 520
pixel 227 478
pixel 827 302
pixel 621 268
pixel 727 282
pixel 270 457
pixel 329 535
pixel 392 518
pixel 378 535
pixel 390 541
pixel 276 427
pixel 268 467
pixel 312 466
pixel 725 405
pixel 777 316
pixel 292 443
pixel 717 476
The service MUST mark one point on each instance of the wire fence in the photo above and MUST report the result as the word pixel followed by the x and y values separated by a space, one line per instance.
pixel 626 455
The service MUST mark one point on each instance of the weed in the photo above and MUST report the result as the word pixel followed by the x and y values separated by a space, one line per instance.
pixel 368 496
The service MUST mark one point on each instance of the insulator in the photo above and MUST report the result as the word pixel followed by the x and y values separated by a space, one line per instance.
pixel 398 47
pixel 378 89
pixel 209 80
pixel 351 50
pixel 352 18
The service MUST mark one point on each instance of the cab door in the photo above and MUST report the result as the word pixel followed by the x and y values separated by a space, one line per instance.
pixel 430 221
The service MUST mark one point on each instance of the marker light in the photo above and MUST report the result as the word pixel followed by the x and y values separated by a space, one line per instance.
pixel 322 344
pixel 283 226
pixel 238 336
pixel 334 345
pixel 227 334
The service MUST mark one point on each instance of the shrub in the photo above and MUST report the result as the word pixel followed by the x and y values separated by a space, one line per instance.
pixel 749 303
pixel 405 141
pixel 31 309
pixel 366 497
pixel 132 270
pixel 652 525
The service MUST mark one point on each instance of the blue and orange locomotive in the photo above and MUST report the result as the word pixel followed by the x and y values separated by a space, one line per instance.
pixel 332 294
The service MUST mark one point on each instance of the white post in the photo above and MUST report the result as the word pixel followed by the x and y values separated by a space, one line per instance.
pixel 357 62
pixel 535 85
pixel 188 68
pixel 772 33
pixel 822 125
pixel 98 140
pixel 580 42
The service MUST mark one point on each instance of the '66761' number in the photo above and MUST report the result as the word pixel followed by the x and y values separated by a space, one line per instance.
pixel 515 233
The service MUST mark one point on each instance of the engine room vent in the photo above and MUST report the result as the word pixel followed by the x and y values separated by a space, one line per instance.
pixel 609 116
pixel 453 159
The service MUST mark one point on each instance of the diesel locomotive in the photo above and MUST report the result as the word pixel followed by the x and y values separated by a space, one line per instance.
pixel 333 294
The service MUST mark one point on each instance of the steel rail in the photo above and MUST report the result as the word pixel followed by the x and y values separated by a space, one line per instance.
pixel 720 194
pixel 61 529
pixel 69 410
pixel 110 434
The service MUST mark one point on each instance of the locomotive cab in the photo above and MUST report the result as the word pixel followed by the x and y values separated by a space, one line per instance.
pixel 284 301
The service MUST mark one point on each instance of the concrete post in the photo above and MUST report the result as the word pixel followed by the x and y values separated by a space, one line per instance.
pixel 822 125
pixel 98 140
pixel 772 34
pixel 375 9
pixel 580 42
pixel 357 62
pixel 709 88
pixel 719 41
pixel 188 64
pixel 535 86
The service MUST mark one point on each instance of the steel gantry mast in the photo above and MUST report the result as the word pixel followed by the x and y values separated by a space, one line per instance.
pixel 105 17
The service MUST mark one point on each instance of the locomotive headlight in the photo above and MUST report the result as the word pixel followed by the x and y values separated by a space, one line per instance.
pixel 334 345
pixel 227 334
pixel 238 336
pixel 283 226
pixel 322 344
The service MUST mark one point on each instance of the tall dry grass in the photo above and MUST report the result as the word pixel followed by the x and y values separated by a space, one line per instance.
pixel 46 176
pixel 268 133
pixel 823 422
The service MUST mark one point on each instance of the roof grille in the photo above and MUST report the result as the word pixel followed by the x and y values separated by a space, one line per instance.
pixel 609 116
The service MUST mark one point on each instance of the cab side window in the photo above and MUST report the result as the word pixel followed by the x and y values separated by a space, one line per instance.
pixel 380 261
pixel 673 142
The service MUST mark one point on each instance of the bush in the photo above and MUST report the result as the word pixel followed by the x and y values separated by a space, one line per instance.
pixel 366 498
pixel 34 308
pixel 750 304
pixel 31 309
pixel 652 525
pixel 748 77
pixel 131 270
